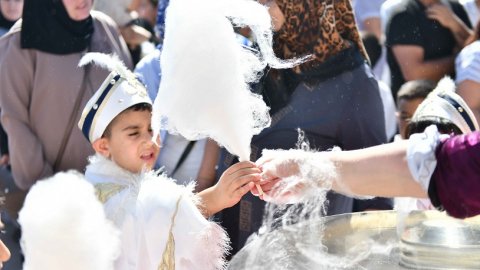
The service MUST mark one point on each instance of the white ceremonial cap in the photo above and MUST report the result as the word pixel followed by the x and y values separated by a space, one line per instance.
pixel 443 102
pixel 120 90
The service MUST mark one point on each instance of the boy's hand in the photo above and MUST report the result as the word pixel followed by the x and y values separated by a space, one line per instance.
pixel 235 182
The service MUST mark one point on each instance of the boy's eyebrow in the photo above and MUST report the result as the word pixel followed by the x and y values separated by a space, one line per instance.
pixel 131 127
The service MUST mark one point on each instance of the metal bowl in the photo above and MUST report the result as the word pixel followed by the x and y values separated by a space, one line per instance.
pixel 441 244
pixel 368 240
pixel 429 239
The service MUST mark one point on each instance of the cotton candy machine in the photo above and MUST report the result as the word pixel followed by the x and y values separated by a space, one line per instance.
pixel 428 240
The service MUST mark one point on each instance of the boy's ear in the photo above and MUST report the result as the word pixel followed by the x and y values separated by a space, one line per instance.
pixel 101 146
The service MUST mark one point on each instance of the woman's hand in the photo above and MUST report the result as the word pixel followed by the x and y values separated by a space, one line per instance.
pixel 4 160
pixel 290 176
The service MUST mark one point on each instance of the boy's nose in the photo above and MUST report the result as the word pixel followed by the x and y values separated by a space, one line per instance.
pixel 146 136
pixel 148 140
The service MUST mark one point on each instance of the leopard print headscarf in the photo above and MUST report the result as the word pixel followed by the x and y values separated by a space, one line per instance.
pixel 319 27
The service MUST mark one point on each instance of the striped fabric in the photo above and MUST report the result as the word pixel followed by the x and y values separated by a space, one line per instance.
pixel 467 64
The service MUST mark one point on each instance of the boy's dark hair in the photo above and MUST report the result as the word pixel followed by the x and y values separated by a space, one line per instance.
pixel 444 126
pixel 140 107
pixel 415 89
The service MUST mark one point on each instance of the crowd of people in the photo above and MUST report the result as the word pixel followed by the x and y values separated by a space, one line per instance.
pixel 376 72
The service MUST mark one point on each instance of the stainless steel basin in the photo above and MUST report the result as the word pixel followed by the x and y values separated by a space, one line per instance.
pixel 368 240
pixel 441 244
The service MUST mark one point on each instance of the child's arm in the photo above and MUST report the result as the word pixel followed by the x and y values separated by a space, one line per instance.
pixel 237 180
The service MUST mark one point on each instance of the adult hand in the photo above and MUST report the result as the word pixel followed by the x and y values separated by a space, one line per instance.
pixel 4 254
pixel 442 14
pixel 290 176
pixel 4 251
pixel 4 160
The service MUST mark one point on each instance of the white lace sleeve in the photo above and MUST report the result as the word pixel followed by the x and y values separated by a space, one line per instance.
pixel 421 154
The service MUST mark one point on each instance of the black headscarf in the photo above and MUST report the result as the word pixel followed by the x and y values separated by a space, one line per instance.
pixel 4 23
pixel 47 27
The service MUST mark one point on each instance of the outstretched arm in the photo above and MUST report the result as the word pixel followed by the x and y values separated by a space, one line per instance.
pixel 375 171
pixel 446 167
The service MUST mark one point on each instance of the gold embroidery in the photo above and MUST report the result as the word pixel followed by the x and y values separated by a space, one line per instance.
pixel 168 257
pixel 105 191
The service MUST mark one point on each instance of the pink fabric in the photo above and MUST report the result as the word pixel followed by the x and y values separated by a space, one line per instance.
pixel 457 176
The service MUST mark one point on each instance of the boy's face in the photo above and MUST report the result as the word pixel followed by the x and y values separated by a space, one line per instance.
pixel 130 142
pixel 405 110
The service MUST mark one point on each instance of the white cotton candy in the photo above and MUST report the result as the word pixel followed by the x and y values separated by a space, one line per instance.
pixel 64 227
pixel 205 71
pixel 256 17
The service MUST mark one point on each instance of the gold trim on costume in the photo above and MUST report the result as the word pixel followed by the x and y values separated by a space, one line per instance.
pixel 105 191
pixel 168 257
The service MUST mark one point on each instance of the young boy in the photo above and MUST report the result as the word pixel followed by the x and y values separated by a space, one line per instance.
pixel 445 109
pixel 448 112
pixel 163 224
pixel 410 95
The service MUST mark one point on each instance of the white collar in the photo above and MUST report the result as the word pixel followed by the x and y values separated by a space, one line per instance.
pixel 102 169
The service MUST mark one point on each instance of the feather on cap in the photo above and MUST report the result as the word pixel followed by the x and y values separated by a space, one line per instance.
pixel 120 90
pixel 443 102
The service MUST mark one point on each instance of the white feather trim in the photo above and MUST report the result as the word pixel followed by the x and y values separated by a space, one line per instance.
pixel 199 243
pixel 64 227
pixel 149 202
pixel 102 170
pixel 445 85
pixel 437 106
pixel 109 62
pixel 216 246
